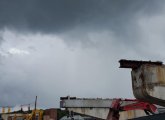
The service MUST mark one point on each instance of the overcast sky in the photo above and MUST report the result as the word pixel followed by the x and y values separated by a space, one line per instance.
pixel 56 48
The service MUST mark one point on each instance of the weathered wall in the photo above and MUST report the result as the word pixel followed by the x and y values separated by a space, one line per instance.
pixel 148 82
pixel 103 113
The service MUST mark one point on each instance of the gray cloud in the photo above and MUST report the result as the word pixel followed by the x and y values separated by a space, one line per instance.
pixel 59 16
pixel 74 44
pixel 75 19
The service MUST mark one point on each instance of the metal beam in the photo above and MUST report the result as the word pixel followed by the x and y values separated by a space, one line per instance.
pixel 135 64
pixel 89 103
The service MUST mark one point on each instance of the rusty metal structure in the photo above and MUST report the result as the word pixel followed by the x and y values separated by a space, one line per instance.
pixel 148 83
pixel 116 108
pixel 148 80
pixel 109 109
pixel 135 64
pixel 38 114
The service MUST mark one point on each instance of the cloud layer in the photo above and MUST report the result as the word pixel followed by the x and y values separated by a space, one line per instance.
pixel 58 48
pixel 60 16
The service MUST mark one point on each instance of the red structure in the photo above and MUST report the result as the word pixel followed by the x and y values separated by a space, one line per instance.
pixel 116 108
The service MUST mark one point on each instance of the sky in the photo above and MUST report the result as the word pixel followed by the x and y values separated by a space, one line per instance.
pixel 56 48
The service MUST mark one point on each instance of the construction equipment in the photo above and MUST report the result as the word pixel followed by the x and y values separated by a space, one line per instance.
pixel 116 108
pixel 148 83
pixel 106 108
pixel 34 115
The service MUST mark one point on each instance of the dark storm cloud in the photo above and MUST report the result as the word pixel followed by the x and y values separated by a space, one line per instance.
pixel 110 24
pixel 62 15
pixel 1 38
pixel 75 19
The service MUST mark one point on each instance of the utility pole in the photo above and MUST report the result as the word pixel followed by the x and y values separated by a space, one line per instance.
pixel 35 103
